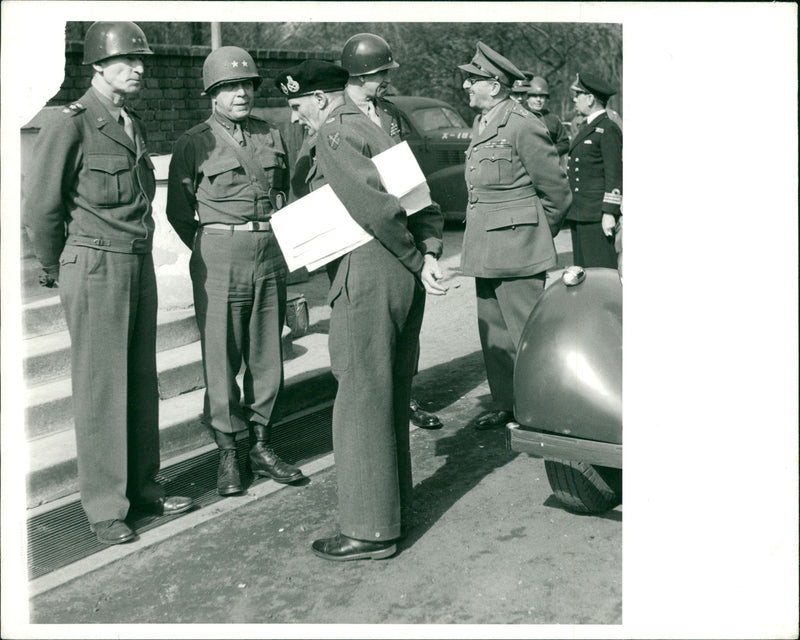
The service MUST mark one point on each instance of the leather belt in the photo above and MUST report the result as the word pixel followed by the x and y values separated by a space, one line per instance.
pixel 253 225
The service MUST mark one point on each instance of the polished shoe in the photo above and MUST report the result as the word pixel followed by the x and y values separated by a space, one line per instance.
pixel 263 459
pixel 265 462
pixel 423 419
pixel 112 532
pixel 493 419
pixel 229 482
pixel 167 506
pixel 341 548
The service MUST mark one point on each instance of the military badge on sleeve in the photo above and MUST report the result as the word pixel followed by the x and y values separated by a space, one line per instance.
pixel 334 139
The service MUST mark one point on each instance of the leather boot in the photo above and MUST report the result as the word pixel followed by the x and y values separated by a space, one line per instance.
pixel 229 482
pixel 264 461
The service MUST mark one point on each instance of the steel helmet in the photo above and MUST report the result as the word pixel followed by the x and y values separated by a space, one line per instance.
pixel 539 85
pixel 108 39
pixel 367 53
pixel 229 64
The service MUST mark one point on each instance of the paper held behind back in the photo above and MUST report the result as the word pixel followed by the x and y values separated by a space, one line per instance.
pixel 317 228
pixel 402 177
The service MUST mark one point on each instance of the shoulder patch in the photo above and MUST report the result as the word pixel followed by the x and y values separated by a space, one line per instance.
pixel 334 140
pixel 74 109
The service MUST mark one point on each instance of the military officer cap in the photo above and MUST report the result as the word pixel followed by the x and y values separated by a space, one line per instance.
pixel 594 84
pixel 520 86
pixel 310 76
pixel 487 63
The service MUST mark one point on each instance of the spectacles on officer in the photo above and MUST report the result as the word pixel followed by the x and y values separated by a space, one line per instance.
pixel 578 92
pixel 471 80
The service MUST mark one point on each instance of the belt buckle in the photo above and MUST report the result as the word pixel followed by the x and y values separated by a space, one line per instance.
pixel 256 225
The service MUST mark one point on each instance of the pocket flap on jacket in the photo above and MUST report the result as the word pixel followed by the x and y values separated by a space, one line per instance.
pixel 107 163
pixel 493 154
pixel 68 257
pixel 502 218
pixel 271 158
pixel 220 165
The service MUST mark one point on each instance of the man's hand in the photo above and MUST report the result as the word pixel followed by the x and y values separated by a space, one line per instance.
pixel 48 277
pixel 431 275
pixel 608 223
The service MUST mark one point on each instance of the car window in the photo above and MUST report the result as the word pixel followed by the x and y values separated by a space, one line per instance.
pixel 433 118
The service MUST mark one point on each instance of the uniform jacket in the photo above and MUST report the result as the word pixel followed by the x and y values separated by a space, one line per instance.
pixel 90 184
pixel 344 145
pixel 558 132
pixel 518 196
pixel 595 170
pixel 207 177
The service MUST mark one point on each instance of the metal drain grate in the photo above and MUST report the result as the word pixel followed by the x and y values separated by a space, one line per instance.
pixel 62 536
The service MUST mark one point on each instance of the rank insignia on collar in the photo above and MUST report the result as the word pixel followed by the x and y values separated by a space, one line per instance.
pixel 599 129
pixel 334 139
pixel 394 129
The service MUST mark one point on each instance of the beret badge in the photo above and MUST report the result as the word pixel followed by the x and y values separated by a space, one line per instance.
pixel 291 86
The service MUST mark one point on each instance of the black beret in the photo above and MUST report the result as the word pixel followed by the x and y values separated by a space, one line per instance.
pixel 310 76
pixel 593 83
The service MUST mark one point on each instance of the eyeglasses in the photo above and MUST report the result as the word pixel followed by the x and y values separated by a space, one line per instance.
pixel 470 80
pixel 537 95
pixel 578 92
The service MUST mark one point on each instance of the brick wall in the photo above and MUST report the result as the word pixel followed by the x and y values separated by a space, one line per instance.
pixel 170 100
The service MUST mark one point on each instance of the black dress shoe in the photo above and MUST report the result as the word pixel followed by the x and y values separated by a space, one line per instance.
pixel 265 462
pixel 112 532
pixel 423 419
pixel 229 482
pixel 170 506
pixel 342 547
pixel 493 419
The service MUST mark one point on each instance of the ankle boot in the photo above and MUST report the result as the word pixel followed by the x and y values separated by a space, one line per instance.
pixel 229 481
pixel 265 462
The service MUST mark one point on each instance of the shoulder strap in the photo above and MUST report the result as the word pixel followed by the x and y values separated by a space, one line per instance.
pixel 251 167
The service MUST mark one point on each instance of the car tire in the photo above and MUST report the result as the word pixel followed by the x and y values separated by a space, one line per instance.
pixel 583 488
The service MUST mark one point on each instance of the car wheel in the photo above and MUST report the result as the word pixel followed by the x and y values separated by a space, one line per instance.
pixel 584 488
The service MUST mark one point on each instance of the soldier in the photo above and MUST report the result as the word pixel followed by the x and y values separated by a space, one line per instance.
pixel 226 178
pixel 537 95
pixel 368 58
pixel 517 198
pixel 595 175
pixel 377 297
pixel 89 217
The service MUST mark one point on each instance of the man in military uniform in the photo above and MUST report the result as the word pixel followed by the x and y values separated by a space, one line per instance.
pixel 377 297
pixel 518 196
pixel 369 60
pixel 226 178
pixel 595 175
pixel 89 217
pixel 537 93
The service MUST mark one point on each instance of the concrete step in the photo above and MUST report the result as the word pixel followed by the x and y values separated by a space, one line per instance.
pixel 47 356
pixel 49 404
pixel 42 316
pixel 52 470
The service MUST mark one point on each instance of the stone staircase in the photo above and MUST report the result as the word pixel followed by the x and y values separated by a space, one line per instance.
pixel 49 428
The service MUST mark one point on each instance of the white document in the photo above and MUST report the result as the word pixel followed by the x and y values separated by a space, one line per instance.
pixel 316 229
pixel 402 177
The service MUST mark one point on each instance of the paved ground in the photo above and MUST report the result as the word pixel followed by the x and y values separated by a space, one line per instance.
pixel 489 543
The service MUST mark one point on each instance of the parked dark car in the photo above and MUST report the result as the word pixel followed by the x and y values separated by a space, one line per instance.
pixel 438 136
pixel 568 389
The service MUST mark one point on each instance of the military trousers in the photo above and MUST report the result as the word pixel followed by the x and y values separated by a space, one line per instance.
pixel 504 305
pixel 591 247
pixel 376 317
pixel 110 302
pixel 239 286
